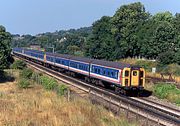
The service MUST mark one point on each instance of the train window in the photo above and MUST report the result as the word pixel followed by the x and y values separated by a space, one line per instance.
pixel 99 71
pixel 141 73
pixel 112 74
pixel 134 73
pixel 126 82
pixel 109 74
pixel 126 73
pixel 116 74
pixel 104 72
pixel 95 70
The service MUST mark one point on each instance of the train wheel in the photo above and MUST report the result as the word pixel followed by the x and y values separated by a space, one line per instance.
pixel 117 90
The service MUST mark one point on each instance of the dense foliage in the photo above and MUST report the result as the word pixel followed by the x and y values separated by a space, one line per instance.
pixel 48 83
pixel 130 32
pixel 23 83
pixel 5 50
pixel 26 73
pixel 167 91
pixel 18 64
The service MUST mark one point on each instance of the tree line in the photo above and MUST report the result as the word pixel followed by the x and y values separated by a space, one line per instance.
pixel 130 32
pixel 134 32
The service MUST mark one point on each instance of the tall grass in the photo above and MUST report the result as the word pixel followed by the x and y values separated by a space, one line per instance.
pixel 39 107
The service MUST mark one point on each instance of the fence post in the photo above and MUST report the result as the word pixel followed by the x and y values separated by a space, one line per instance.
pixel 147 121
pixel 119 108
pixel 110 103
pixel 68 95
pixel 127 112
pixel 89 92
pixel 137 117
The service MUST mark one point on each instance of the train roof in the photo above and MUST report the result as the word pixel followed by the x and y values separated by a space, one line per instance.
pixel 93 61
pixel 111 64
pixel 66 56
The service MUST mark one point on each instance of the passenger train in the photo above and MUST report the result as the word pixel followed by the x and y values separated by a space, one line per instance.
pixel 123 77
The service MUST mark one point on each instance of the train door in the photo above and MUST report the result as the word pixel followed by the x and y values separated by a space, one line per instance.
pixel 134 77
pixel 126 77
pixel 142 77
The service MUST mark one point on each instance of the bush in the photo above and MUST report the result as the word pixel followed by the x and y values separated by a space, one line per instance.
pixel 167 91
pixel 26 73
pixel 18 64
pixel 23 83
pixel 48 83
pixel 62 89
pixel 172 68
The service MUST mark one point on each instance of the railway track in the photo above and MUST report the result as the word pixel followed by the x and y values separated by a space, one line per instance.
pixel 161 114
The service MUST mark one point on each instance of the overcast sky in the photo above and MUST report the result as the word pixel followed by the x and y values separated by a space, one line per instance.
pixel 37 16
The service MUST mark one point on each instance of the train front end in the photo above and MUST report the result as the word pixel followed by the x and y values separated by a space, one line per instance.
pixel 133 78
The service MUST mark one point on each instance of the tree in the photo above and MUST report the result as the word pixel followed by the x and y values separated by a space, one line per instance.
pixel 164 38
pixel 126 23
pixel 163 17
pixel 5 50
pixel 101 43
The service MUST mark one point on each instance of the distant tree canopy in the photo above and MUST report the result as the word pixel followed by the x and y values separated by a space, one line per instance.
pixel 5 50
pixel 130 32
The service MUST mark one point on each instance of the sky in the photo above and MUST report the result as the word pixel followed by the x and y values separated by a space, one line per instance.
pixel 39 16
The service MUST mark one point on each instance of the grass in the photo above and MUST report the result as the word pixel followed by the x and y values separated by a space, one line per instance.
pixel 37 106
pixel 167 91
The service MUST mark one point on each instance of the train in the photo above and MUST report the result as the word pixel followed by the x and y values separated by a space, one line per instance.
pixel 123 77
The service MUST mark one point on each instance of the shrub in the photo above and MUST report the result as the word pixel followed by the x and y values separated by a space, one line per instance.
pixel 18 64
pixel 172 68
pixel 23 83
pixel 48 83
pixel 62 89
pixel 167 91
pixel 26 73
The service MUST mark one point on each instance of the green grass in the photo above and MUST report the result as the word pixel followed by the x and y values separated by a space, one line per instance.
pixel 167 91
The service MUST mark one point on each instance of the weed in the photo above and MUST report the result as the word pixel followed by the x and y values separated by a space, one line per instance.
pixel 26 73
pixel 18 64
pixel 23 83
pixel 48 83
pixel 62 89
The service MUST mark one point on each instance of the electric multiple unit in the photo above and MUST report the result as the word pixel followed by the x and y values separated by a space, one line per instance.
pixel 120 75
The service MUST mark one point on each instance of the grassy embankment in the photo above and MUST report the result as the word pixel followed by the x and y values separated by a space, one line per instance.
pixel 161 90
pixel 40 106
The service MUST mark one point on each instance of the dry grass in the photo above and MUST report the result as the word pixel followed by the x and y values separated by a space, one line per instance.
pixel 158 75
pixel 38 107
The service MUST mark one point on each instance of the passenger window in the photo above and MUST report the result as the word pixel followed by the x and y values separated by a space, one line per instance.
pixel 112 74
pixel 104 72
pixel 95 70
pixel 99 71
pixel 108 73
pixel 116 74
pixel 134 73
pixel 126 73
